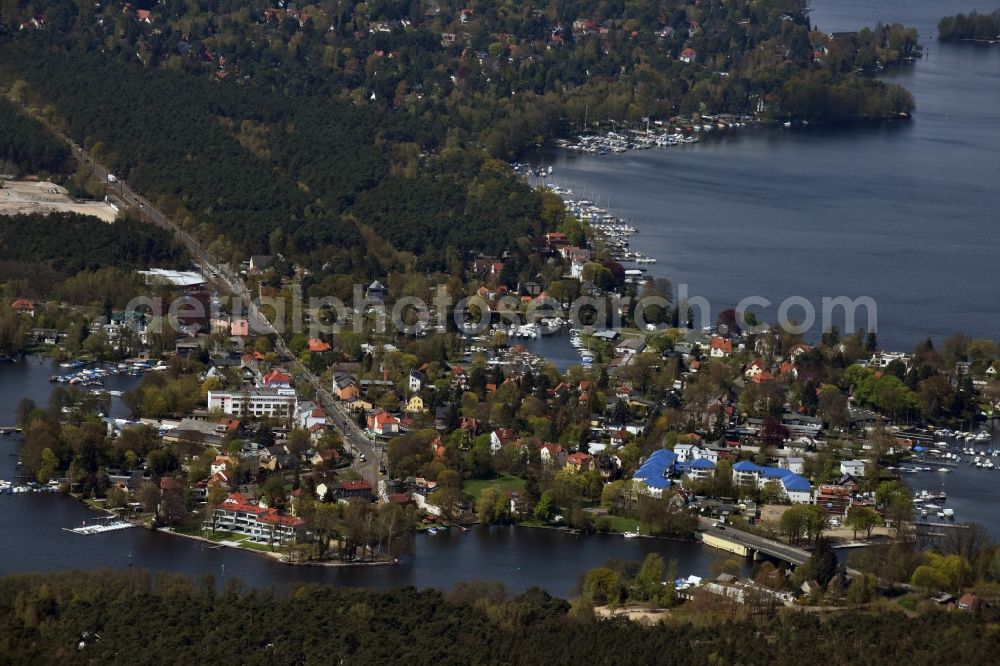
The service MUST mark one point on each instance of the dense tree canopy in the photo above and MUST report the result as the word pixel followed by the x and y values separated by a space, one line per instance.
pixel 138 617
pixel 25 146
pixel 70 243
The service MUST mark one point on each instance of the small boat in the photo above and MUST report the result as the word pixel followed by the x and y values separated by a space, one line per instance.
pixel 630 535
pixel 943 469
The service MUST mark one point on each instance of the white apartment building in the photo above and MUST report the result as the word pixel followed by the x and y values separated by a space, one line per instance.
pixel 258 403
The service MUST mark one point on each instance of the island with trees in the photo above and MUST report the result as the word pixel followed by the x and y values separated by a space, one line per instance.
pixel 973 27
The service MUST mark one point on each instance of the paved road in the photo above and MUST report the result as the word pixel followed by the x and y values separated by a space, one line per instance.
pixel 223 277
pixel 767 546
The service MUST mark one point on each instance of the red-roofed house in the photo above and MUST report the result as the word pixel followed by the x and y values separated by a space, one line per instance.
pixel 579 462
pixel 314 416
pixel 721 347
pixel 361 489
pixel 223 464
pixel 763 377
pixel 689 55
pixel 399 499
pixel 143 15
pixel 328 457
pixel 788 368
pixel 755 369
pixel 555 239
pixel 23 306
pixel 231 425
pixel 383 423
pixel 277 379
pixel 317 346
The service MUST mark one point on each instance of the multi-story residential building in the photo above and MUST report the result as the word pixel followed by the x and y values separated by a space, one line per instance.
pixel 237 513
pixel 255 402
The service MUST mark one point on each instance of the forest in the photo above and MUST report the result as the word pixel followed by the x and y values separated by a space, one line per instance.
pixel 26 147
pixel 71 243
pixel 239 119
pixel 139 617
pixel 974 26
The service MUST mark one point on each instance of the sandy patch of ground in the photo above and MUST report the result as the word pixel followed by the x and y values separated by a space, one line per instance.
pixel 771 513
pixel 25 197
pixel 640 614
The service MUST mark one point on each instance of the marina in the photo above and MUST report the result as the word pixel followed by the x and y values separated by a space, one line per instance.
pixel 16 487
pixel 101 526
pixel 96 375
pixel 605 229
pixel 668 133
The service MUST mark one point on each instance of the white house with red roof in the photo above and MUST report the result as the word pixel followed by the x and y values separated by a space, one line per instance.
pixel 222 464
pixel 23 306
pixel 688 55
pixel 755 369
pixel 310 414
pixel 383 423
pixel 721 347
pixel 277 379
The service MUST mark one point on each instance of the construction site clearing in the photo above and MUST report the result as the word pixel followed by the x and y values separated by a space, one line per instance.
pixel 24 197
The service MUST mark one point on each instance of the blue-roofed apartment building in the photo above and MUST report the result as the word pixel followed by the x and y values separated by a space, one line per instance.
pixel 795 487
pixel 654 475
pixel 699 468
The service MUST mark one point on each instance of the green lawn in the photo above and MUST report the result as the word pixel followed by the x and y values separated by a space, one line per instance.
pixel 620 523
pixel 505 482
pixel 207 533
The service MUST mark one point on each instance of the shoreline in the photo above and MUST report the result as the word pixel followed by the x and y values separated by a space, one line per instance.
pixel 218 545
pixel 272 555
pixel 970 40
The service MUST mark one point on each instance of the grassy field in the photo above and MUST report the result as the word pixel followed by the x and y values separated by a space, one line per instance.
pixel 620 523
pixel 505 482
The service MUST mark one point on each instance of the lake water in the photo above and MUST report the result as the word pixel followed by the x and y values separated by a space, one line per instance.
pixel 902 212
